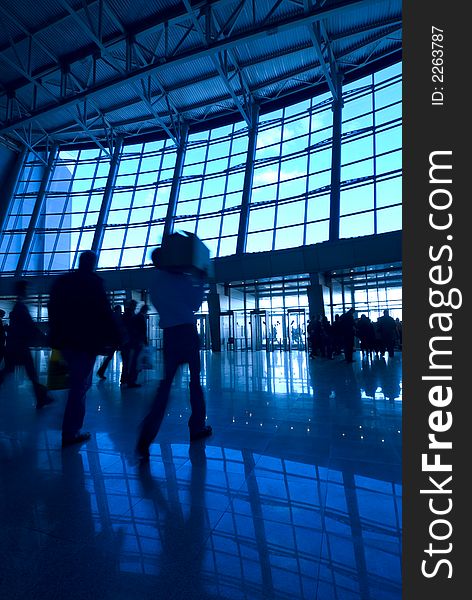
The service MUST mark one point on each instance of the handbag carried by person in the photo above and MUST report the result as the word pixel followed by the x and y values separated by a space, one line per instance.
pixel 58 372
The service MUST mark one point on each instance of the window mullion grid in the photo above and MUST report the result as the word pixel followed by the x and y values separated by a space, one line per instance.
pixel 133 195
pixel 90 193
pixel 279 166
pixel 197 216
pixel 64 210
pixel 42 216
pixel 374 152
pixel 158 177
pixel 21 202
pixel 220 233
pixel 307 181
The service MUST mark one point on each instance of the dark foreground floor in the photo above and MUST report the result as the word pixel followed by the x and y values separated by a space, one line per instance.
pixel 296 496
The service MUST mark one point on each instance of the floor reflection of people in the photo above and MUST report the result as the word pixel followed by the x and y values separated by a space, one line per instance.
pixel 378 375
pixel 346 388
pixel 182 537
pixel 97 563
pixel 49 544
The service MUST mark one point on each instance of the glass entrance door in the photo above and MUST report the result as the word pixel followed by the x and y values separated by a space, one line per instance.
pixel 227 331
pixel 259 339
pixel 296 328
pixel 276 332
pixel 203 331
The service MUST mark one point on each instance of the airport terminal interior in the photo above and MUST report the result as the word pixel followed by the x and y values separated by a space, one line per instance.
pixel 272 131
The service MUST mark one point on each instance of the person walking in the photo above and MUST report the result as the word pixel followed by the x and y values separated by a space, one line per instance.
pixel 138 340
pixel 81 326
pixel 388 331
pixel 176 297
pixel 118 317
pixel 22 333
pixel 347 328
pixel 126 347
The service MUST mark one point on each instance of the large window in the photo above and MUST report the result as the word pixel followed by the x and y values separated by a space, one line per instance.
pixel 139 204
pixel 70 210
pixel 371 155
pixel 290 196
pixel 212 186
pixel 21 209
pixel 289 199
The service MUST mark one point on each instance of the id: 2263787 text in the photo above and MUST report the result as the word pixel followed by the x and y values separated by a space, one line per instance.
pixel 437 66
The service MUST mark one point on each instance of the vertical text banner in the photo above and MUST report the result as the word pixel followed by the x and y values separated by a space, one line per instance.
pixel 437 431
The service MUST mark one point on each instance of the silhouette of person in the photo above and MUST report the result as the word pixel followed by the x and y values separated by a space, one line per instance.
pixel 118 317
pixel 399 327
pixel 176 297
pixel 81 326
pixel 182 529
pixel 366 335
pixel 336 335
pixel 346 321
pixel 388 331
pixel 126 347
pixel 327 337
pixel 22 333
pixel 138 339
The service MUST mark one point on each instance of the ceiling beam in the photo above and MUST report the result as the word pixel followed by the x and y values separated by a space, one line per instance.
pixel 257 33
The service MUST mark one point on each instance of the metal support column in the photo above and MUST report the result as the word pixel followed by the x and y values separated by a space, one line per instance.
pixel 176 180
pixel 248 179
pixel 25 250
pixel 335 198
pixel 315 296
pixel 214 310
pixel 107 197
pixel 6 194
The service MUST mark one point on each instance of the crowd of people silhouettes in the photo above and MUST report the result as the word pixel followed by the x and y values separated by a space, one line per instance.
pixel 83 326
pixel 376 338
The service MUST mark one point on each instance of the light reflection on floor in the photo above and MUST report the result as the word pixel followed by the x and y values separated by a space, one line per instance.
pixel 296 496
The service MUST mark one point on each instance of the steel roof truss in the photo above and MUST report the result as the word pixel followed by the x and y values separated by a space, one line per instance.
pixel 205 33
pixel 227 28
pixel 227 43
pixel 243 82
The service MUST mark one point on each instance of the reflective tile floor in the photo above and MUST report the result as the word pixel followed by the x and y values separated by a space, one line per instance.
pixel 297 495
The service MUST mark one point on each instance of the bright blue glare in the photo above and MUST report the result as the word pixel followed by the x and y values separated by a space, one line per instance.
pixel 290 196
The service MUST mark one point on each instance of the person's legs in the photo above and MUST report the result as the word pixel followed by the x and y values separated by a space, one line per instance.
pixel 80 379
pixel 133 365
pixel 40 391
pixel 152 421
pixel 106 361
pixel 196 421
pixel 348 348
pixel 125 355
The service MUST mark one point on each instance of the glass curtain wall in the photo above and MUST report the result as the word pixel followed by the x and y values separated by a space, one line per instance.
pixel 70 210
pixel 20 211
pixel 290 203
pixel 138 208
pixel 290 196
pixel 371 155
pixel 212 185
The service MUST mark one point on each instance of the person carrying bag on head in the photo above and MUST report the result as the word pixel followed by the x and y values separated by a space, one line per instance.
pixel 176 295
